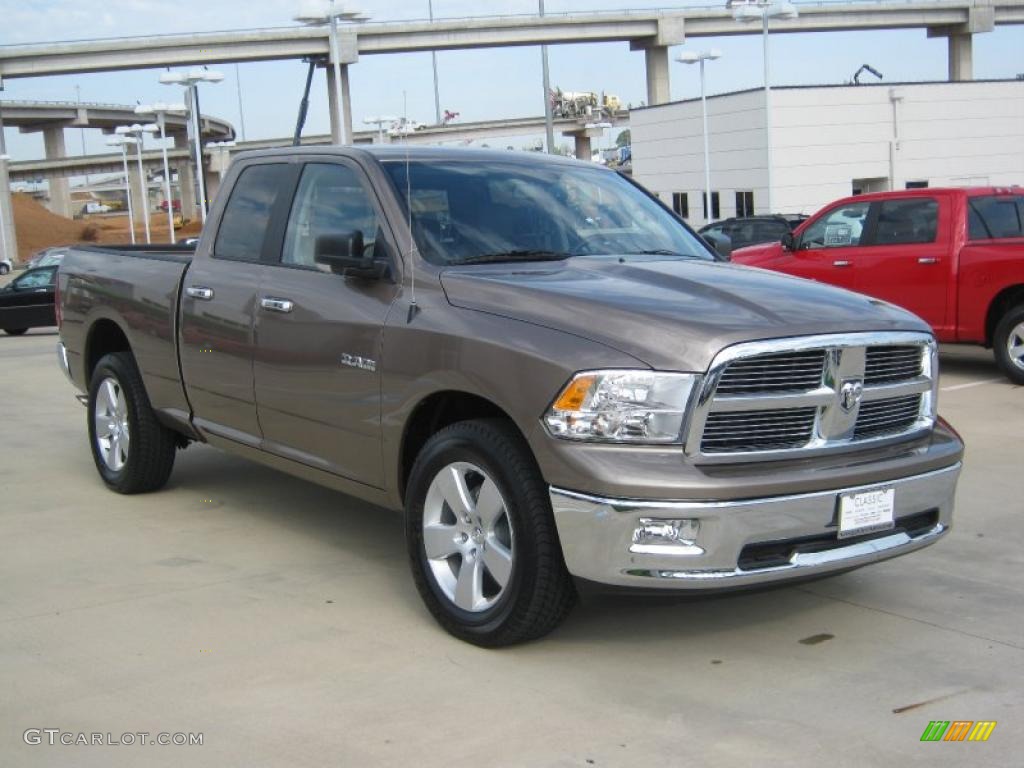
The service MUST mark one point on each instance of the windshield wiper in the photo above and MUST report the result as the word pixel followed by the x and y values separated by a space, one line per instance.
pixel 659 252
pixel 520 255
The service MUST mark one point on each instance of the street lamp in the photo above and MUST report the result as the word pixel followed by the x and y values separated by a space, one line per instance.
pixel 694 57
pixel 190 80
pixel 161 111
pixel 754 10
pixel 315 13
pixel 380 121
pixel 123 142
pixel 137 132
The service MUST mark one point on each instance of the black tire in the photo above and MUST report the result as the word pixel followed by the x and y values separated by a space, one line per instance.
pixel 1011 320
pixel 15 331
pixel 150 455
pixel 4 269
pixel 539 592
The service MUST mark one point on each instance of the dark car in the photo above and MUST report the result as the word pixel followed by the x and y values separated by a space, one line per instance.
pixel 752 230
pixel 27 301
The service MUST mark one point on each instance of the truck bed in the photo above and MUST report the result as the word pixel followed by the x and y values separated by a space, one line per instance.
pixel 136 288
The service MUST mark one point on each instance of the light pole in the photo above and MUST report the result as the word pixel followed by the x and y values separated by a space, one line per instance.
pixel 549 126
pixel 380 121
pixel 694 57
pixel 137 132
pixel 161 111
pixel 190 80
pixel 123 142
pixel 433 59
pixel 316 13
pixel 763 10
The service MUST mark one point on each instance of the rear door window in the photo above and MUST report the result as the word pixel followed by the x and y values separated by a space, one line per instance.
pixel 247 215
pixel 910 220
pixel 992 217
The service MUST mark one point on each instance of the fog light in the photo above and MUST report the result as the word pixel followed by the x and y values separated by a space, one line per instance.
pixel 666 537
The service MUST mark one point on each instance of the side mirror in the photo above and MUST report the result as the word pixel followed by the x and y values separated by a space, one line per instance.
pixel 721 244
pixel 789 242
pixel 344 254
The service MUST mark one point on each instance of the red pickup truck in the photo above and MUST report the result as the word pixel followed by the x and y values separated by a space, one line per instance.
pixel 955 257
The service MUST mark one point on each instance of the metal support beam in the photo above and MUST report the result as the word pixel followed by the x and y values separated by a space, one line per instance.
pixel 186 181
pixel 60 189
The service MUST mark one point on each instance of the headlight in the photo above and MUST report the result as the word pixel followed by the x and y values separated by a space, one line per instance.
pixel 622 407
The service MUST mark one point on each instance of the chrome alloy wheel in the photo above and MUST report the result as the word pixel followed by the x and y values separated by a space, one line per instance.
pixel 1015 345
pixel 468 537
pixel 110 414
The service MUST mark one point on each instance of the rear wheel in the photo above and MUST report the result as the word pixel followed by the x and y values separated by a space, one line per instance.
pixel 1008 343
pixel 4 269
pixel 482 541
pixel 133 452
pixel 15 331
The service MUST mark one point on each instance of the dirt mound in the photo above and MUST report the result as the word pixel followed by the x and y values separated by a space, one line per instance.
pixel 38 228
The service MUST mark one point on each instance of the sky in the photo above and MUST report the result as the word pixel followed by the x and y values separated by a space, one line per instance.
pixel 481 84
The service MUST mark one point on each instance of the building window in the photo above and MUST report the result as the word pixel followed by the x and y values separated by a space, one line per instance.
pixel 744 203
pixel 917 185
pixel 716 211
pixel 681 204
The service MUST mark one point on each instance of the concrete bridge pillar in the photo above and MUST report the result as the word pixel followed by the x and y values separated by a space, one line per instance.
pixel 960 38
pixel 140 195
pixel 961 58
pixel 60 189
pixel 584 147
pixel 186 181
pixel 348 53
pixel 657 76
pixel 8 236
pixel 671 31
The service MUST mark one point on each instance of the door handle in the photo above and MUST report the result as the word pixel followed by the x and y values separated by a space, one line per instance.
pixel 840 263
pixel 927 260
pixel 200 292
pixel 276 305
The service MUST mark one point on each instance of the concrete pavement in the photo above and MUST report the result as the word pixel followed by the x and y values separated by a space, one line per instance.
pixel 279 620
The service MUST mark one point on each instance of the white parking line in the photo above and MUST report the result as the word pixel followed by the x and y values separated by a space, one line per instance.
pixel 969 384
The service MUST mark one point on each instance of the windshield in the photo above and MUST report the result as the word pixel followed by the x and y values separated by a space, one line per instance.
pixel 465 212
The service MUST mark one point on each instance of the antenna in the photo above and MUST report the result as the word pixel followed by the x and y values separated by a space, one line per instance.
pixel 413 307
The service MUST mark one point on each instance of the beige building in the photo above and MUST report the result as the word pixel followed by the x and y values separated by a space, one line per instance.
pixel 829 142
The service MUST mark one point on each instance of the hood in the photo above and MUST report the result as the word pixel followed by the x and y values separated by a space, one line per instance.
pixel 672 314
pixel 757 255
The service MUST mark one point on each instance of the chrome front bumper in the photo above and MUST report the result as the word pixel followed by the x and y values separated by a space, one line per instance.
pixel 597 535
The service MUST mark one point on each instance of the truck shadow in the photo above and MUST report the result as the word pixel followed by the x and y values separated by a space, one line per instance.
pixel 371 539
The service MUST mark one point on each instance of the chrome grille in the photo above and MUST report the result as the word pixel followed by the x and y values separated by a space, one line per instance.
pixel 895 363
pixel 793 397
pixel 886 417
pixel 783 372
pixel 758 430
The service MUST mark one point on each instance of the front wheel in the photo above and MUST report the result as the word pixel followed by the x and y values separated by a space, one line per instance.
pixel 134 453
pixel 482 542
pixel 4 269
pixel 1008 343
pixel 15 331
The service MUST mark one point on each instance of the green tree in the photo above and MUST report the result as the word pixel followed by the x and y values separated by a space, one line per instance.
pixel 623 139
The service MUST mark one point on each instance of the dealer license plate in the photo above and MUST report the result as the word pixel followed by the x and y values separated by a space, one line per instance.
pixel 867 512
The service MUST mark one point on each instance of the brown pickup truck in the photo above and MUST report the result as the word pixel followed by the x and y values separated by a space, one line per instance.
pixel 533 358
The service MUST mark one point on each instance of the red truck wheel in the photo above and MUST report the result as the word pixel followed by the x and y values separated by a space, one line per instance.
pixel 482 542
pixel 1008 343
